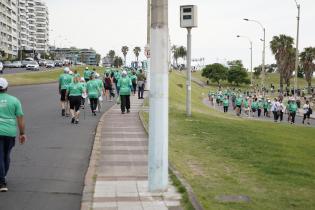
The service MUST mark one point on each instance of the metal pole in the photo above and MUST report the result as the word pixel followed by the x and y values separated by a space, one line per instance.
pixel 297 51
pixel 148 85
pixel 158 122
pixel 263 63
pixel 188 84
pixel 251 63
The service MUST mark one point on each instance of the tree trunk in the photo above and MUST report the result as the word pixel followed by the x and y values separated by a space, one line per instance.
pixel 281 82
pixel 309 86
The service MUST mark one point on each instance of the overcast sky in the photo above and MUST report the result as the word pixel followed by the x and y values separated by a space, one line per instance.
pixel 110 24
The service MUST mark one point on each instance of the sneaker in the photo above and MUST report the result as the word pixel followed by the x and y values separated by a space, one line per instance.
pixel 128 111
pixel 77 122
pixel 122 112
pixel 3 188
pixel 94 113
pixel 72 120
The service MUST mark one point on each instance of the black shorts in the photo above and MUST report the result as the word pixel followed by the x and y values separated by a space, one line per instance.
pixel 108 88
pixel 75 102
pixel 63 95
pixel 253 110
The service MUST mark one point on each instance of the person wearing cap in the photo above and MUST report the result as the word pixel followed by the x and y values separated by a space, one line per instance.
pixel 11 117
pixel 75 91
pixel 124 84
pixel 225 104
pixel 87 74
pixel 65 80
pixel 246 106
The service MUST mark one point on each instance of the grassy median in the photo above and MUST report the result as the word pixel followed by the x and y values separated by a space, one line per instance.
pixel 222 155
pixel 49 76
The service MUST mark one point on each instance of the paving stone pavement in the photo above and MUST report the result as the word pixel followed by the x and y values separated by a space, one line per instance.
pixel 122 166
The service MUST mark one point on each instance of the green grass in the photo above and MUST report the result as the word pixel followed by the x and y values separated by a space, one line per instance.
pixel 29 78
pixel 271 78
pixel 224 155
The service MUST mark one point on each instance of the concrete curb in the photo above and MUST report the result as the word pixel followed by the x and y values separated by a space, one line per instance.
pixel 192 197
pixel 89 181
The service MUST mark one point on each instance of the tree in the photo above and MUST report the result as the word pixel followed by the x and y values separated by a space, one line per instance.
pixel 118 62
pixel 282 47
pixel 237 74
pixel 307 58
pixel 98 58
pixel 137 51
pixel 175 55
pixel 125 50
pixel 215 72
pixel 182 52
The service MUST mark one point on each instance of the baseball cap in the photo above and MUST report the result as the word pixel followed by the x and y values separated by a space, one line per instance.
pixel 66 69
pixel 3 84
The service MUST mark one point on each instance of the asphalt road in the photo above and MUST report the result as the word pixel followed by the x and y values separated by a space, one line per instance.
pixel 298 119
pixel 48 172
pixel 23 70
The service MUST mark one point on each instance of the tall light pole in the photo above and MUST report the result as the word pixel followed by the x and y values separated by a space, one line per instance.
pixel 297 49
pixel 188 85
pixel 148 85
pixel 251 56
pixel 158 122
pixel 263 53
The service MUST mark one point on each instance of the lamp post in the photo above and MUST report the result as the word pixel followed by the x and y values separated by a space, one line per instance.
pixel 251 56
pixel 158 121
pixel 297 49
pixel 148 85
pixel 263 53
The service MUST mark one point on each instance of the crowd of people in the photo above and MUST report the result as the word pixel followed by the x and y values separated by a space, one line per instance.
pixel 254 105
pixel 92 87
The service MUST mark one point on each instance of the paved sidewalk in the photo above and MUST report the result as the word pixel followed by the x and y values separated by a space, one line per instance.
pixel 122 166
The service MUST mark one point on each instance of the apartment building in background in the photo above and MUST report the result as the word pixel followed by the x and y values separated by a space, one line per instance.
pixel 24 25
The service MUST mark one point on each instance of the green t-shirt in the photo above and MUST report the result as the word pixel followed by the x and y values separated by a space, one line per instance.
pixel 10 108
pixel 260 105
pixel 246 104
pixel 124 85
pixel 293 107
pixel 239 101
pixel 87 74
pixel 93 89
pixel 254 105
pixel 75 89
pixel 225 102
pixel 64 81
pixel 133 79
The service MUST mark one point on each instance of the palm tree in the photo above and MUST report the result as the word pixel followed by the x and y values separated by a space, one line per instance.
pixel 137 51
pixel 282 47
pixel 307 58
pixel 125 50
pixel 175 55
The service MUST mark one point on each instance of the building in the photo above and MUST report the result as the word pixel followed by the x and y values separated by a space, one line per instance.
pixel 24 25
pixel 86 56
pixel 9 33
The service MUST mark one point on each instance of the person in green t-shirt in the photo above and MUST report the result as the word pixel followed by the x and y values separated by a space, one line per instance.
pixel 238 103
pixel 134 82
pixel 11 117
pixel 254 106
pixel 65 80
pixel 93 91
pixel 225 104
pixel 260 106
pixel 75 91
pixel 86 74
pixel 293 107
pixel 124 84
pixel 246 106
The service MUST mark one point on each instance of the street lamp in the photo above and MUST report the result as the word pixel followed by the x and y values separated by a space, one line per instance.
pixel 264 52
pixel 297 48
pixel 251 56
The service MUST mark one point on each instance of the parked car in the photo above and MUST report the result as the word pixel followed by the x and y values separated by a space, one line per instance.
pixel 42 62
pixel 33 65
pixel 50 64
pixel 58 63
pixel 16 64
pixel 24 63
pixel 7 64
pixel 1 67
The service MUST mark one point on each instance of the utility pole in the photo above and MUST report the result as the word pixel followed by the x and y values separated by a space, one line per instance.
pixel 188 84
pixel 264 62
pixel 158 122
pixel 148 85
pixel 297 49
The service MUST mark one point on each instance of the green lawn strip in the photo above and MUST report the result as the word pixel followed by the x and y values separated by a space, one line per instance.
pixel 41 77
pixel 223 155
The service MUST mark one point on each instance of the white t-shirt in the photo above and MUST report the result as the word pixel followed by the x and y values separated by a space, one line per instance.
pixel 306 108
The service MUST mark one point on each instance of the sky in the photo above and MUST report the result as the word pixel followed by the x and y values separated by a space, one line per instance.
pixel 109 24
